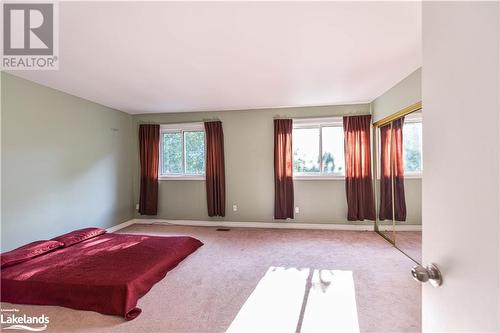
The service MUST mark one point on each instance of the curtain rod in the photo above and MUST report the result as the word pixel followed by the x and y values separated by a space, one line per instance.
pixel 180 122
pixel 324 116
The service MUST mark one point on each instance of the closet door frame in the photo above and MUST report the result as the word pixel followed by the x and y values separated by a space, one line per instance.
pixel 376 167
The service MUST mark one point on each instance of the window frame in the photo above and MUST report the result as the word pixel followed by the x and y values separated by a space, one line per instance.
pixel 180 128
pixel 308 123
pixel 415 117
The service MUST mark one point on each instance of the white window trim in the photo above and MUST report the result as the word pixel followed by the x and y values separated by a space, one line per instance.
pixel 305 176
pixel 318 123
pixel 182 128
pixel 182 177
pixel 413 175
pixel 415 117
pixel 198 126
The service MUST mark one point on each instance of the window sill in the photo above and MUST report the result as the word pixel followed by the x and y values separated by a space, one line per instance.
pixel 313 177
pixel 413 176
pixel 182 177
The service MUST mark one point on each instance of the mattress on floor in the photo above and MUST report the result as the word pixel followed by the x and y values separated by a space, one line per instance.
pixel 106 274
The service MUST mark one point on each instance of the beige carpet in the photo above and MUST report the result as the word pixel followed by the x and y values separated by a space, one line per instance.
pixel 410 242
pixel 268 280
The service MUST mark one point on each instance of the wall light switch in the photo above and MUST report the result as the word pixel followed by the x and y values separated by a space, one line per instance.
pixel 297 210
pixel 235 208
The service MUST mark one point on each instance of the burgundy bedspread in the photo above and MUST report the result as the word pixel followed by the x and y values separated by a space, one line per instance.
pixel 107 274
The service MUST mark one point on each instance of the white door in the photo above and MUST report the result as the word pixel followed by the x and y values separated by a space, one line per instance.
pixel 461 184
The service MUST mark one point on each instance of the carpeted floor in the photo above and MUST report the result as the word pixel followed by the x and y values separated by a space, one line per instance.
pixel 410 242
pixel 268 280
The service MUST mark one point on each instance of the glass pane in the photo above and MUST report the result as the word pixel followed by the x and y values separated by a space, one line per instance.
pixel 333 149
pixel 412 147
pixel 305 143
pixel 195 152
pixel 172 153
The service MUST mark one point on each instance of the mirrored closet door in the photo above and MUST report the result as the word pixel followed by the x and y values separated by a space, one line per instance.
pixel 398 181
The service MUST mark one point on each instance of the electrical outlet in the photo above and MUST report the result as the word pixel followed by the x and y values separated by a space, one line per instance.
pixel 136 206
pixel 297 210
pixel 235 208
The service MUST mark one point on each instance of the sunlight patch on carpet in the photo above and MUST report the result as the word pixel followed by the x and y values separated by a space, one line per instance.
pixel 331 305
pixel 300 300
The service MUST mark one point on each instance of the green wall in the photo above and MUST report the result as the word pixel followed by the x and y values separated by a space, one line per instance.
pixel 66 163
pixel 405 93
pixel 248 143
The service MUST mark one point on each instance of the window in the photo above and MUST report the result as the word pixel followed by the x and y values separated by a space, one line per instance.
pixel 182 151
pixel 412 144
pixel 318 148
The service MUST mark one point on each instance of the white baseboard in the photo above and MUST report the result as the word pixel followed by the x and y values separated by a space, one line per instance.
pixel 401 227
pixel 120 226
pixel 269 225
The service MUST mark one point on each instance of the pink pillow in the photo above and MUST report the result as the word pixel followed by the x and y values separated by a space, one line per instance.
pixel 29 251
pixel 78 236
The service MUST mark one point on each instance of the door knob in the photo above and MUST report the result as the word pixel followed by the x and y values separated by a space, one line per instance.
pixel 430 273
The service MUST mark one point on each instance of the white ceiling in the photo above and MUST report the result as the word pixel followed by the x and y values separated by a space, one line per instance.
pixel 142 57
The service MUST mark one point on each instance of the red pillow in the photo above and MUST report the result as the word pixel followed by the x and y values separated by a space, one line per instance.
pixel 78 236
pixel 29 251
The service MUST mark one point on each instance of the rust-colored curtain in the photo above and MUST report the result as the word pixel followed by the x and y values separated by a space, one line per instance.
pixel 149 142
pixel 392 151
pixel 358 172
pixel 215 172
pixel 283 173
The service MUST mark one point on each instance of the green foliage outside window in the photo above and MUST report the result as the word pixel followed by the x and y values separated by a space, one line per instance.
pixel 300 164
pixel 193 145
pixel 412 143
pixel 172 152
pixel 195 152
